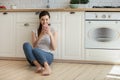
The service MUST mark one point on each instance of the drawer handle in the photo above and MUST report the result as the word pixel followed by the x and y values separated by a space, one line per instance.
pixel 5 13
pixel 26 24
pixel 37 13
pixel 72 12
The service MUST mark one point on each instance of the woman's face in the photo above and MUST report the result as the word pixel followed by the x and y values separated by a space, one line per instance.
pixel 45 20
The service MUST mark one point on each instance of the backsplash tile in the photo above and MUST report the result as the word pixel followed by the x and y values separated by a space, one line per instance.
pixel 21 4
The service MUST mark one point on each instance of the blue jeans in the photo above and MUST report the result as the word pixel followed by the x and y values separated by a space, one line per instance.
pixel 37 54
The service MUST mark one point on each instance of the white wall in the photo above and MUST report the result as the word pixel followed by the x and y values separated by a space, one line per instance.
pixel 54 3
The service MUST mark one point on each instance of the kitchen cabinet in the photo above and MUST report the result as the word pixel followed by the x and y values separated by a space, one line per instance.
pixel 19 28
pixel 28 21
pixel 72 35
pixel 67 24
pixel 7 34
pixel 25 23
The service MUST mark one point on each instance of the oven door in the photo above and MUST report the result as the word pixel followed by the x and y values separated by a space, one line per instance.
pixel 102 35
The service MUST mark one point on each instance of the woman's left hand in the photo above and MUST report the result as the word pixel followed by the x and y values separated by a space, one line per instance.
pixel 47 30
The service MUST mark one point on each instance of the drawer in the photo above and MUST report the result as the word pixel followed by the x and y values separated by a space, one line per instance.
pixel 27 17
pixel 33 17
pixel 103 55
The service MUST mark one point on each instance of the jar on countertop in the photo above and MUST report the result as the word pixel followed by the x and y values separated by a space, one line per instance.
pixel 13 6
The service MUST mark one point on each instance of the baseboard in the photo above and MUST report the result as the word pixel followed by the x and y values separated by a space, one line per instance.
pixel 85 62
pixel 12 58
pixel 63 61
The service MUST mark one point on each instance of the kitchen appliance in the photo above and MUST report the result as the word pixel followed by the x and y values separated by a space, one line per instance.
pixel 102 30
pixel 106 7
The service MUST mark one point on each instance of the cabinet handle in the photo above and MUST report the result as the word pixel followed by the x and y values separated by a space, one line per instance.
pixel 37 13
pixel 5 13
pixel 72 12
pixel 26 24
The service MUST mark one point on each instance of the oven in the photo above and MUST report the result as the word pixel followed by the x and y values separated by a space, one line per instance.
pixel 102 30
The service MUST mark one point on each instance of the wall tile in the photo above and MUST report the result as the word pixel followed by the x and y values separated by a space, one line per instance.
pixel 55 3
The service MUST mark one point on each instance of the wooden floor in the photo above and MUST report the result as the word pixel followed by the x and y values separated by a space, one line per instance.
pixel 20 70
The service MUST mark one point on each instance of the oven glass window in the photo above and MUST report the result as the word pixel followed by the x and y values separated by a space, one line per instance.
pixel 103 34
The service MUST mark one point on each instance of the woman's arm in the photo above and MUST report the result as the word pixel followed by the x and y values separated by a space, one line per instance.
pixel 34 39
pixel 53 38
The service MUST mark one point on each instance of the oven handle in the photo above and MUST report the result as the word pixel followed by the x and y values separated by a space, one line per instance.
pixel 117 36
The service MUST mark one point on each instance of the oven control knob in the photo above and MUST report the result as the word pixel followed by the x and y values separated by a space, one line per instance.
pixel 96 16
pixel 89 22
pixel 109 16
pixel 103 16
pixel 116 22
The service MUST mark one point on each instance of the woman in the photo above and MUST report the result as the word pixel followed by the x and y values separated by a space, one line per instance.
pixel 43 42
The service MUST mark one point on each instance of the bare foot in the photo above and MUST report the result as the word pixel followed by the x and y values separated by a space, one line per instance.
pixel 46 72
pixel 40 69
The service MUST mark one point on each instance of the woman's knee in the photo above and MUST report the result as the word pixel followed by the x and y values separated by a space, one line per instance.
pixel 26 44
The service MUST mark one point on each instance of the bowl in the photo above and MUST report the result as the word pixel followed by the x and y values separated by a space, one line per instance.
pixel 74 5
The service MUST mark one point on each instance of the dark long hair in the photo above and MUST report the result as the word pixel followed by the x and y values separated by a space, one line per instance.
pixel 42 13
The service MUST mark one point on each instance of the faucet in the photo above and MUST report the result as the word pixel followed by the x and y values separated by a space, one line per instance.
pixel 48 4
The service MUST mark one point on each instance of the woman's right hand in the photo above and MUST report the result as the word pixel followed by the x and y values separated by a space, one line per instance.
pixel 45 29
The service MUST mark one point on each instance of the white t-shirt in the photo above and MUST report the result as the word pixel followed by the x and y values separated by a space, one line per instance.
pixel 44 44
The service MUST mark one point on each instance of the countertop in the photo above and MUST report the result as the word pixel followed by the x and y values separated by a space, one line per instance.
pixel 63 10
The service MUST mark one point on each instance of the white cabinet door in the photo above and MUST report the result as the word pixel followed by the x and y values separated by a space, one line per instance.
pixel 23 34
pixel 7 38
pixel 56 22
pixel 72 32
